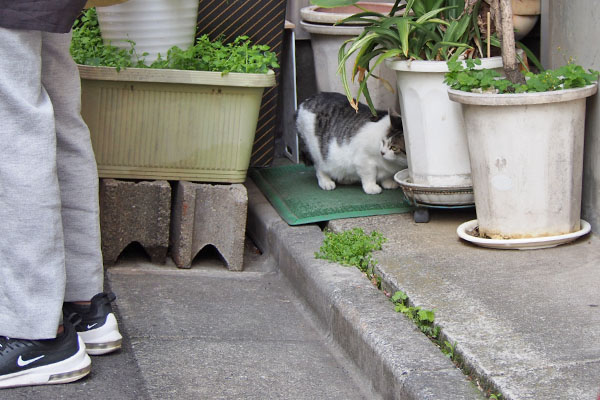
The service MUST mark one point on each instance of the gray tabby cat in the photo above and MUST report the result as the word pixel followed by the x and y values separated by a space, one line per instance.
pixel 348 146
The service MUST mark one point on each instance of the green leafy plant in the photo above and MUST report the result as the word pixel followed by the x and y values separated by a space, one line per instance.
pixel 207 55
pixel 352 247
pixel 416 29
pixel 424 319
pixel 464 76
pixel 88 48
pixel 449 349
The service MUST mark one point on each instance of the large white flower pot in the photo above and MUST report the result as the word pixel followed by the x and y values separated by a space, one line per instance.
pixel 154 25
pixel 526 154
pixel 326 40
pixel 434 130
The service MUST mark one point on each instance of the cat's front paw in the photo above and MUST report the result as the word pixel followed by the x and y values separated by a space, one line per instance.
pixel 327 185
pixel 389 184
pixel 372 188
pixel 325 182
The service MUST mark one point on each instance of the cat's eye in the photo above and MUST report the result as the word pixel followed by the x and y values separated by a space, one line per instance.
pixel 394 148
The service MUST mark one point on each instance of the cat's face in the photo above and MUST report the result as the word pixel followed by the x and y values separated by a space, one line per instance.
pixel 392 146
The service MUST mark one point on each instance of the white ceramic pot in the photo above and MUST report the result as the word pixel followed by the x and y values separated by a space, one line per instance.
pixel 526 155
pixel 154 25
pixel 326 40
pixel 434 130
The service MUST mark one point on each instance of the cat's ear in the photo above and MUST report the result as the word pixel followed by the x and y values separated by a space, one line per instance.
pixel 395 119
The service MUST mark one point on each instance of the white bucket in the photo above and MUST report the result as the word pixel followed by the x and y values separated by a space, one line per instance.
pixel 434 130
pixel 527 160
pixel 154 25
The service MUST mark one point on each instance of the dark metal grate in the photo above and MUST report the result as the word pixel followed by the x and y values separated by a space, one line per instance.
pixel 263 21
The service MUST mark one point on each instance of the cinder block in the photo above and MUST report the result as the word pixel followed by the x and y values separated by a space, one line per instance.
pixel 206 214
pixel 135 212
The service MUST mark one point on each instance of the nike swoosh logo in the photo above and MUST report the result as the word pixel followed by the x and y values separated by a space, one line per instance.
pixel 22 363
pixel 92 325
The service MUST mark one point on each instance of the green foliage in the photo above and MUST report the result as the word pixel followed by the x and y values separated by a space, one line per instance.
pixel 352 248
pixel 88 48
pixel 207 55
pixel 415 29
pixel 467 78
pixel 424 319
pixel 449 349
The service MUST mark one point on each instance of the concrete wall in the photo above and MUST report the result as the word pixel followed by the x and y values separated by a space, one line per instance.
pixel 570 29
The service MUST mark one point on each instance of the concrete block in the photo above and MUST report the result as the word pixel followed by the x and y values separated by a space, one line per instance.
pixel 206 214
pixel 135 212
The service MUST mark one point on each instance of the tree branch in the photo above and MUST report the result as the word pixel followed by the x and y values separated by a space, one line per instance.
pixel 509 56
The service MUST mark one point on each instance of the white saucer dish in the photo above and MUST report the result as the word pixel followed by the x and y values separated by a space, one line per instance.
pixel 434 195
pixel 464 230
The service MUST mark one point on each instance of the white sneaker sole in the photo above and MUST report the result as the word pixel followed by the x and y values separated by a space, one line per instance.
pixel 73 368
pixel 103 340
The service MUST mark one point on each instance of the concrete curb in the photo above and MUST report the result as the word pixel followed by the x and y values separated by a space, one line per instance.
pixel 399 361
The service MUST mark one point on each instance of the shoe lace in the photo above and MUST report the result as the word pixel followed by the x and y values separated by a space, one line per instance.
pixel 7 343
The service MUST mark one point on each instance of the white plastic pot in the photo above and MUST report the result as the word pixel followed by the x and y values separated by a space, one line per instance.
pixel 326 40
pixel 154 25
pixel 526 154
pixel 434 130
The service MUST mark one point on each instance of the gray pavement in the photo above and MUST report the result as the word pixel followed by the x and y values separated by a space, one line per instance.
pixel 293 327
pixel 528 322
pixel 209 333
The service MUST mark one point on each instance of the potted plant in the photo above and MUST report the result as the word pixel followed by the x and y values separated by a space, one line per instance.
pixel 525 139
pixel 416 44
pixel 189 116
pixel 327 35
pixel 154 25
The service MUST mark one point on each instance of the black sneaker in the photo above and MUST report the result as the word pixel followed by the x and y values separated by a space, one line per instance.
pixel 43 362
pixel 98 326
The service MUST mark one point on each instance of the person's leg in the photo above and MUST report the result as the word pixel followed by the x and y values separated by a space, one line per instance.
pixel 77 173
pixel 32 260
pixel 78 179
pixel 32 264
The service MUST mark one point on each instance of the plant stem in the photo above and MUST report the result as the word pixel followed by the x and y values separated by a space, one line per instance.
pixel 360 7
pixel 509 56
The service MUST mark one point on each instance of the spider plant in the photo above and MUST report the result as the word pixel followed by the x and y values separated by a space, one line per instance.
pixel 414 30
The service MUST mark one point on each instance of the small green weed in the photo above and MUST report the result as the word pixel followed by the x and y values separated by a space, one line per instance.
pixel 352 247
pixel 468 79
pixel 424 319
pixel 449 349
pixel 88 48
pixel 240 55
pixel 207 55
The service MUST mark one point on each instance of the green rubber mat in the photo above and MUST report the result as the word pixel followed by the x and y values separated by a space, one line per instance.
pixel 294 192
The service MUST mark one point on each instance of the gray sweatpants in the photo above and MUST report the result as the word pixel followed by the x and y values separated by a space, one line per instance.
pixel 49 222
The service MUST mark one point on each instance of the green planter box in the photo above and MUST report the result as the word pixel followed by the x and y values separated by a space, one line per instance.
pixel 171 124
